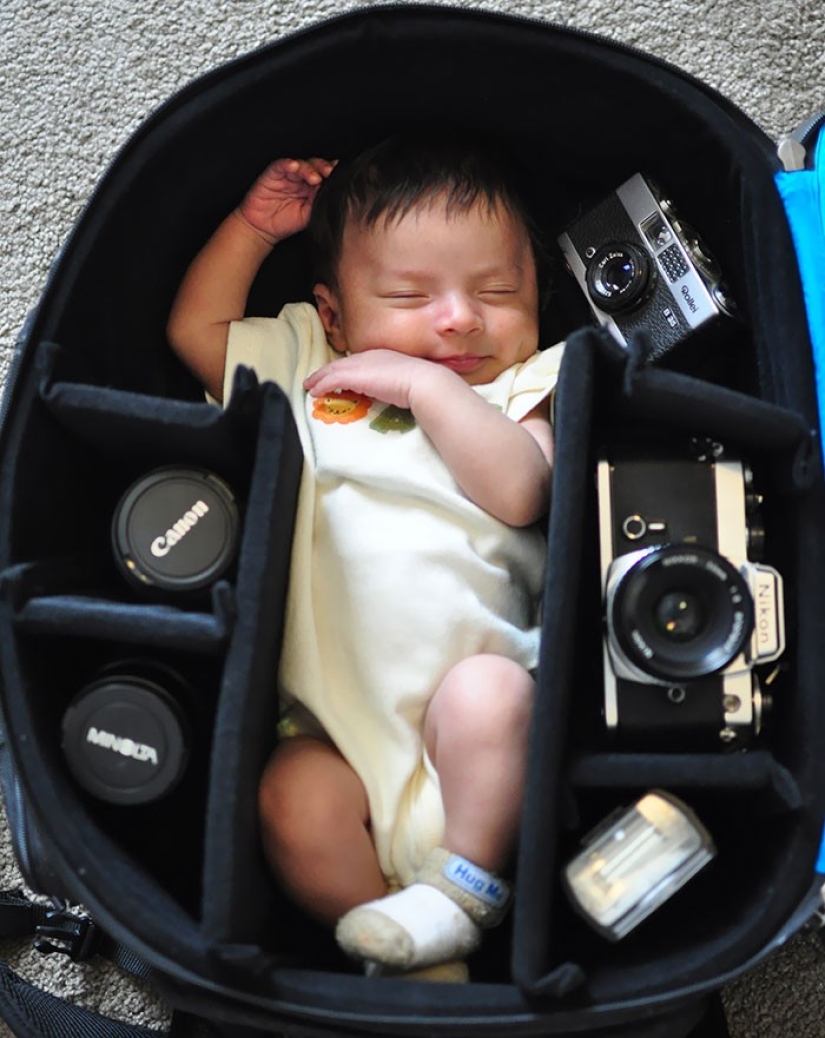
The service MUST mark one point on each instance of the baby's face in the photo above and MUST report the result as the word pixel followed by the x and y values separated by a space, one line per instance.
pixel 457 289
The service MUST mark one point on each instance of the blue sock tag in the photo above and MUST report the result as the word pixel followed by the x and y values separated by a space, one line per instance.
pixel 487 888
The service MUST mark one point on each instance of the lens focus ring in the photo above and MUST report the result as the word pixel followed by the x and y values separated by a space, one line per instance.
pixel 619 276
pixel 680 613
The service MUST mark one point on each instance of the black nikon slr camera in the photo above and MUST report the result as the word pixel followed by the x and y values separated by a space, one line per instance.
pixel 643 269
pixel 689 609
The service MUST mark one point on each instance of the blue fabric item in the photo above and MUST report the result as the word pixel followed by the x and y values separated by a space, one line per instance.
pixel 820 861
pixel 803 193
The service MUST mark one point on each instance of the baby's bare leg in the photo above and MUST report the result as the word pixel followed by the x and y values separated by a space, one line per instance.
pixel 315 826
pixel 476 731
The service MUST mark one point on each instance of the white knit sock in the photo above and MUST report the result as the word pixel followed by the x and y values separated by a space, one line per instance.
pixel 437 919
pixel 418 926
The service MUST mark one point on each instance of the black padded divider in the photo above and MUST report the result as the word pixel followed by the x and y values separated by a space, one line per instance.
pixel 45 599
pixel 534 926
pixel 757 771
pixel 237 884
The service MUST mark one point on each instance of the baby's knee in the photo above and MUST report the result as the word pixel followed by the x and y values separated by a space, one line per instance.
pixel 301 805
pixel 279 804
pixel 489 692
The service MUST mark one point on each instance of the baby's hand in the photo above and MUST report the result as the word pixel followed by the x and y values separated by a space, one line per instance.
pixel 384 375
pixel 279 203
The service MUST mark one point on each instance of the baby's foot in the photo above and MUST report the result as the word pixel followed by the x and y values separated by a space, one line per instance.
pixel 418 926
pixel 437 919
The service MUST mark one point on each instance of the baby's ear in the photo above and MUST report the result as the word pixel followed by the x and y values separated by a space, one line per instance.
pixel 329 311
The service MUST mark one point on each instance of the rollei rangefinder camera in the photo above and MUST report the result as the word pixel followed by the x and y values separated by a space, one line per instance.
pixel 641 268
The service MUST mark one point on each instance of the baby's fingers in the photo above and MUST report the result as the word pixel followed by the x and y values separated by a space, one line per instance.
pixel 322 166
pixel 321 382
pixel 332 378
pixel 307 171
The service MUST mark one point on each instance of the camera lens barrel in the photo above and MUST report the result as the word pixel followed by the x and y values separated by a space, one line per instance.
pixel 619 276
pixel 176 529
pixel 680 612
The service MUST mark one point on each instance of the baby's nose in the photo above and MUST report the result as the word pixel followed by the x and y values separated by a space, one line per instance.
pixel 459 314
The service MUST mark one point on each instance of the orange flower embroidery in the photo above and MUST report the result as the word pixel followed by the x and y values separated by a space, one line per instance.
pixel 341 408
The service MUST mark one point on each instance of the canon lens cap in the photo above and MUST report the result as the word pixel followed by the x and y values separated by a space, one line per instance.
pixel 176 529
pixel 125 739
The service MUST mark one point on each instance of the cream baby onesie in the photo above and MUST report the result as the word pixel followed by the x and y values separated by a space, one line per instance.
pixel 396 576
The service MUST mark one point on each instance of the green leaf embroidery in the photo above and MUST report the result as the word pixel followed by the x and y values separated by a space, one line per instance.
pixel 393 419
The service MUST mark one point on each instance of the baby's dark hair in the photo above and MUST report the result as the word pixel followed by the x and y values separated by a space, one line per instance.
pixel 396 176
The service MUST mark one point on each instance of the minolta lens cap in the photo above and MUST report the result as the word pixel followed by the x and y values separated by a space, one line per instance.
pixel 125 740
pixel 176 529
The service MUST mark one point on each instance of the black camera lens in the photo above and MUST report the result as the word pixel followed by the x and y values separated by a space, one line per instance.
pixel 175 529
pixel 125 734
pixel 619 276
pixel 680 616
pixel 681 613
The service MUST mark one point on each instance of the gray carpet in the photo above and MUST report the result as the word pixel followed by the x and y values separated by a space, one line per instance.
pixel 78 76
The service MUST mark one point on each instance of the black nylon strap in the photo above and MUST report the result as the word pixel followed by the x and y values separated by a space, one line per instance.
pixel 58 930
pixel 33 1013
pixel 124 958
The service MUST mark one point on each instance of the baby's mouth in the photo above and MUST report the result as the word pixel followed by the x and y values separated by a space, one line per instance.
pixel 462 363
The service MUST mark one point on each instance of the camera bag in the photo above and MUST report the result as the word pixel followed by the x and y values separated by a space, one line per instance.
pixel 175 888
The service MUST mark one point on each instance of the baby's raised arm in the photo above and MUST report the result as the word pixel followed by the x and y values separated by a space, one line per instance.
pixel 214 290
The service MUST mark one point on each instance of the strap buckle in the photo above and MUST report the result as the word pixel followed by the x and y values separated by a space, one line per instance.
pixel 65 933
